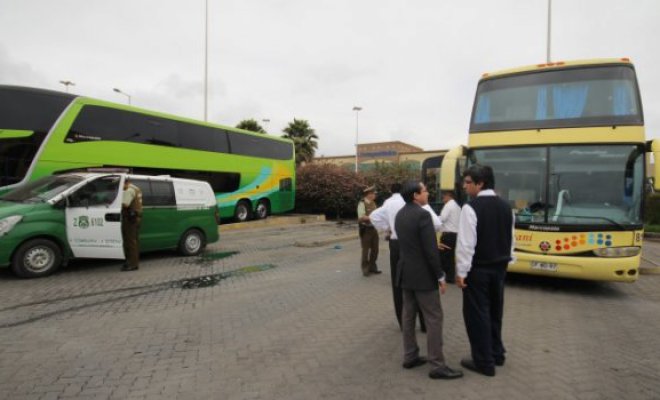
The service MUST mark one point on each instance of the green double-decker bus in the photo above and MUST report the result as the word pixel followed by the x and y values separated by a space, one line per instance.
pixel 46 132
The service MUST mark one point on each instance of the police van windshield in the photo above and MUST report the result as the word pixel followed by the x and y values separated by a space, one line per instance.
pixel 42 189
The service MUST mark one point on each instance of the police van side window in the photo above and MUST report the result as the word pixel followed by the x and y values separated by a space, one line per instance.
pixel 156 193
pixel 102 191
pixel 162 193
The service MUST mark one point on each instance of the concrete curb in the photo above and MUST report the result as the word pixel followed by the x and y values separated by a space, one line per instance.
pixel 277 220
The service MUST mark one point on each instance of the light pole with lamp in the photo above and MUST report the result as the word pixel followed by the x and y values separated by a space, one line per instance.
pixel 124 93
pixel 67 84
pixel 357 111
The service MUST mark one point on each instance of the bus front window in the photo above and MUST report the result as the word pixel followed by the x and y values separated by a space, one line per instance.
pixel 583 185
pixel 519 178
pixel 26 116
pixel 596 185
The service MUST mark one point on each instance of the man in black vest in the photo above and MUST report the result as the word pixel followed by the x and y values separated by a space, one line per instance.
pixel 484 250
pixel 420 277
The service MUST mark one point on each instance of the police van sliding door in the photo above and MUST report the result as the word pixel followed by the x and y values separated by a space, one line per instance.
pixel 93 219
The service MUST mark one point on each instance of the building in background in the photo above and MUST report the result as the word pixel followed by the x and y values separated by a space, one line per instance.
pixel 427 163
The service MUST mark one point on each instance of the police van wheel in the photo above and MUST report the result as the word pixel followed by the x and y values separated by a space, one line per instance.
pixel 36 258
pixel 262 209
pixel 242 212
pixel 192 242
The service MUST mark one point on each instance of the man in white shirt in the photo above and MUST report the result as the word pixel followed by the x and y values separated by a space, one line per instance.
pixel 484 249
pixel 383 220
pixel 449 216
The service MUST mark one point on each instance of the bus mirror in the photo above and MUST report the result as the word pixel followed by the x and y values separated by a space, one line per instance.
pixel 449 170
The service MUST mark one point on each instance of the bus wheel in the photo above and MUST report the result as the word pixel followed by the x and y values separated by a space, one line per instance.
pixel 192 242
pixel 36 258
pixel 242 212
pixel 262 209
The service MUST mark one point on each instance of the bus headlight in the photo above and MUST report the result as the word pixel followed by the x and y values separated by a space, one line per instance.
pixel 618 251
pixel 7 224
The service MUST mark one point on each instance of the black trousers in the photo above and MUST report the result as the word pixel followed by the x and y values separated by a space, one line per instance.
pixel 483 307
pixel 447 257
pixel 397 292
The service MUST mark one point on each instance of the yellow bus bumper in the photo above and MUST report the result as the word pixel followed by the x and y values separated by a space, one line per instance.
pixel 614 269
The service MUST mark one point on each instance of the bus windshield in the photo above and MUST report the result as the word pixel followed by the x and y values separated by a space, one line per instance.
pixel 585 185
pixel 26 116
pixel 42 189
pixel 576 97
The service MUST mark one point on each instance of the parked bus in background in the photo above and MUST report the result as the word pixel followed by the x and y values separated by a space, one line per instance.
pixel 567 144
pixel 46 132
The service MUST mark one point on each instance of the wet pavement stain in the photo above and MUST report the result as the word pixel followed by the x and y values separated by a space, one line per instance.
pixel 206 259
pixel 212 280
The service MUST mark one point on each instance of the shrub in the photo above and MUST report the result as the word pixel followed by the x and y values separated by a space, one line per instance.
pixel 335 191
pixel 652 209
pixel 327 188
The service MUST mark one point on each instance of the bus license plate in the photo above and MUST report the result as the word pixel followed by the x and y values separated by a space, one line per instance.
pixel 544 266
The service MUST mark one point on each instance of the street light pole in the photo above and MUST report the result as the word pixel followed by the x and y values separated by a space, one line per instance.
pixel 124 93
pixel 549 29
pixel 67 84
pixel 357 111
pixel 206 61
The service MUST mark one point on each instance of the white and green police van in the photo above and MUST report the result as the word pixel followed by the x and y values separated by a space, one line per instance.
pixel 46 222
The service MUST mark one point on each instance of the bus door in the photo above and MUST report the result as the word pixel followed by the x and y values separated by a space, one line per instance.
pixel 653 146
pixel 93 219
pixel 431 178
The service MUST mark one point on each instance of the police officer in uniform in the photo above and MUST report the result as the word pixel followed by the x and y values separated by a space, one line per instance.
pixel 368 234
pixel 131 216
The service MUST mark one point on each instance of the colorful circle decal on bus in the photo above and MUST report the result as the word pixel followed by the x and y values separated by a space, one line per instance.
pixel 545 246
pixel 569 242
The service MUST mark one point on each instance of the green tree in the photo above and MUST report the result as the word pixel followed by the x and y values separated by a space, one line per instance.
pixel 304 139
pixel 251 125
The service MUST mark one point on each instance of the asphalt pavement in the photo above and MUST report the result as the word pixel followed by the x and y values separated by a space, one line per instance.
pixel 283 312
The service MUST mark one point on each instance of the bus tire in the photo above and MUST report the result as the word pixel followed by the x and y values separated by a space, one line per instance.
pixel 262 209
pixel 192 242
pixel 36 258
pixel 243 211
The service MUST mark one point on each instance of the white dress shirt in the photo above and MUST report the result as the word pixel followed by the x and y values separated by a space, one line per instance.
pixel 450 215
pixel 383 217
pixel 467 237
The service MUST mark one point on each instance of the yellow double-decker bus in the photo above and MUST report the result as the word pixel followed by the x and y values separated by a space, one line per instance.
pixel 567 144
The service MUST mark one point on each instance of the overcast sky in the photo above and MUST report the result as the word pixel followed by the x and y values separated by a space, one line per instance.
pixel 411 65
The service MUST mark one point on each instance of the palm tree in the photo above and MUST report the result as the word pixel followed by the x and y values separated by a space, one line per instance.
pixel 251 125
pixel 304 139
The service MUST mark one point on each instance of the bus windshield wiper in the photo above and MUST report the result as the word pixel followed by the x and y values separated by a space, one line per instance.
pixel 611 221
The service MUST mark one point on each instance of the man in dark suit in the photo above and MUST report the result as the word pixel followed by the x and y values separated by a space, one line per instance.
pixel 421 278
pixel 484 250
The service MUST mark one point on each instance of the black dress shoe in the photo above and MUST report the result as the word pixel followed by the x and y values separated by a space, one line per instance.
pixel 414 362
pixel 127 268
pixel 469 364
pixel 445 373
pixel 376 272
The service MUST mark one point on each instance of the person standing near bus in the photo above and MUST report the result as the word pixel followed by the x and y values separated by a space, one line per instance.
pixel 449 216
pixel 484 250
pixel 383 219
pixel 422 281
pixel 131 216
pixel 368 234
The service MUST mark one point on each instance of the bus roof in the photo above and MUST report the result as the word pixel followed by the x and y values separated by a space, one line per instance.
pixel 555 65
pixel 94 101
